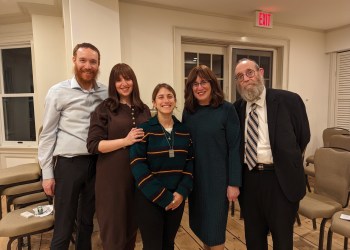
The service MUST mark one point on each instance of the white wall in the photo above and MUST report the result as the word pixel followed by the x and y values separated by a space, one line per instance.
pixel 147 41
pixel 49 58
pixel 338 40
pixel 88 21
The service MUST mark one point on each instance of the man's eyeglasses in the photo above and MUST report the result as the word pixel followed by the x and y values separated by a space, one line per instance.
pixel 249 73
pixel 202 83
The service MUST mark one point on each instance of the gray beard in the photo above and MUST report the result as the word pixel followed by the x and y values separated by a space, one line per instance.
pixel 253 93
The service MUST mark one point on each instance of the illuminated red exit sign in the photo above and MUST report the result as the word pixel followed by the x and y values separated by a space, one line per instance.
pixel 263 19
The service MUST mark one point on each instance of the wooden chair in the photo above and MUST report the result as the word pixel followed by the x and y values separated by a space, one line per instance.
pixel 332 183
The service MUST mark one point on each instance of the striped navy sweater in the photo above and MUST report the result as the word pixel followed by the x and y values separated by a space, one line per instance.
pixel 157 175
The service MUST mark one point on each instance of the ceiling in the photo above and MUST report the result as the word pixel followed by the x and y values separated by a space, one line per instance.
pixel 311 14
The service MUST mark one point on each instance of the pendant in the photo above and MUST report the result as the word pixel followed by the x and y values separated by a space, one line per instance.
pixel 171 153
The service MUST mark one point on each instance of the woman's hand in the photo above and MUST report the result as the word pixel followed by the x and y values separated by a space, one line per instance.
pixel 178 199
pixel 135 135
pixel 232 193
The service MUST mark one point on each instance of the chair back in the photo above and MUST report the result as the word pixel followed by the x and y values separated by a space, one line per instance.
pixel 340 141
pixel 329 132
pixel 332 169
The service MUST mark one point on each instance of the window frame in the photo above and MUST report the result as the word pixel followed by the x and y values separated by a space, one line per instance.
pixel 3 141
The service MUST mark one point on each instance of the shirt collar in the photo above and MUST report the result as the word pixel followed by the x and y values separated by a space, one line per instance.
pixel 75 85
pixel 261 100
pixel 154 120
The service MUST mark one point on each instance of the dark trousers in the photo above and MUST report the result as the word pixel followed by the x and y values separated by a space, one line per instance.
pixel 265 209
pixel 74 201
pixel 158 227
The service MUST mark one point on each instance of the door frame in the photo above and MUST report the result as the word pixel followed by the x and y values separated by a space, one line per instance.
pixel 182 34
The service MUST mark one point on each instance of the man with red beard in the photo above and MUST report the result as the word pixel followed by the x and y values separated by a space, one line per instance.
pixel 275 132
pixel 68 170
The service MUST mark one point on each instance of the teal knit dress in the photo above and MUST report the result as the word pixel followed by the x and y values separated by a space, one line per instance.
pixel 215 134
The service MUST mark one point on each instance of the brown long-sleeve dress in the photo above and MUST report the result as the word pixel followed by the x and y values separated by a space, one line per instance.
pixel 114 181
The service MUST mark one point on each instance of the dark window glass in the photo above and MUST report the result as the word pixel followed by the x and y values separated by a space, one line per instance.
pixel 19 118
pixel 218 65
pixel 204 59
pixel 190 61
pixel 17 70
pixel 265 63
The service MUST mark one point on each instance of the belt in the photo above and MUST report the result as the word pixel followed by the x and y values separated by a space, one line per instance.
pixel 264 167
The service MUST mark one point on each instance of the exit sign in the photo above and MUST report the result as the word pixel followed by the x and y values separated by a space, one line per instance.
pixel 263 19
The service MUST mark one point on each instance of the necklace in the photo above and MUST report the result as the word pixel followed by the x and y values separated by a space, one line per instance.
pixel 169 139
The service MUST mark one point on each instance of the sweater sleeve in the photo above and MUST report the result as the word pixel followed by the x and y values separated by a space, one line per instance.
pixel 186 184
pixel 98 130
pixel 233 143
pixel 150 186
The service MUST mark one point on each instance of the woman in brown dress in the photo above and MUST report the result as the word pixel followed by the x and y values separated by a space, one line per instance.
pixel 113 128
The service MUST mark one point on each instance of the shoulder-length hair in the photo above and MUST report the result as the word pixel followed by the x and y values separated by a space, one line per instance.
pixel 204 72
pixel 113 100
pixel 162 85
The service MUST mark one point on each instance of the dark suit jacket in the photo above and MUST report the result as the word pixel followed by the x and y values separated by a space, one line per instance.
pixel 289 133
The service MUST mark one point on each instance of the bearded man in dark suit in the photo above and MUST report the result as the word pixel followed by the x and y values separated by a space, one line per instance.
pixel 272 149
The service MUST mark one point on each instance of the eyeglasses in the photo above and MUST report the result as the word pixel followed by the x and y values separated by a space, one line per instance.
pixel 202 83
pixel 249 73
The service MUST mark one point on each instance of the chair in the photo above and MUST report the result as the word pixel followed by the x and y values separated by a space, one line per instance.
pixel 332 184
pixel 18 175
pixel 326 136
pixel 16 227
pixel 16 192
pixel 340 141
pixel 339 226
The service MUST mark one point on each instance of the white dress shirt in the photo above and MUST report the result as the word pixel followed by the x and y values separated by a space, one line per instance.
pixel 264 147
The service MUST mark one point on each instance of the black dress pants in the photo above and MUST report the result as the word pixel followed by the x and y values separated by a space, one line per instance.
pixel 265 209
pixel 158 227
pixel 74 201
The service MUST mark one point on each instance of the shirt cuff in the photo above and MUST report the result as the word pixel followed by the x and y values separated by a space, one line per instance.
pixel 47 173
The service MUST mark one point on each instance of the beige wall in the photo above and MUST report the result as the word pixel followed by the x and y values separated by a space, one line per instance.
pixel 88 21
pixel 338 39
pixel 144 37
pixel 147 41
pixel 49 57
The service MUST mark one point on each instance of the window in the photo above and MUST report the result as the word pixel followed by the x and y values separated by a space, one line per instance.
pixel 17 95
pixel 262 57
pixel 211 56
pixel 342 88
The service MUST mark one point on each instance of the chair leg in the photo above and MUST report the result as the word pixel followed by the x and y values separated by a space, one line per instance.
pixel 345 243
pixel 232 209
pixel 323 224
pixel 314 226
pixel 20 243
pixel 298 220
pixel 307 183
pixel 329 239
pixel 29 243
pixel 10 243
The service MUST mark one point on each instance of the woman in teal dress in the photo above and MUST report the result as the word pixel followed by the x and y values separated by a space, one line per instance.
pixel 214 127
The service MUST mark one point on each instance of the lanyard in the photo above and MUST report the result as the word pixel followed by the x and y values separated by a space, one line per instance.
pixel 170 139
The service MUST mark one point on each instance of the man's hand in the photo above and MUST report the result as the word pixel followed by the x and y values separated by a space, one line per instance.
pixel 232 193
pixel 49 186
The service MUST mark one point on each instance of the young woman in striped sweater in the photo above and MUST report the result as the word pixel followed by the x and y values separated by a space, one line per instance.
pixel 162 165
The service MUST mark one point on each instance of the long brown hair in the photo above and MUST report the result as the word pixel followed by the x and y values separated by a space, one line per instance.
pixel 204 72
pixel 113 100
